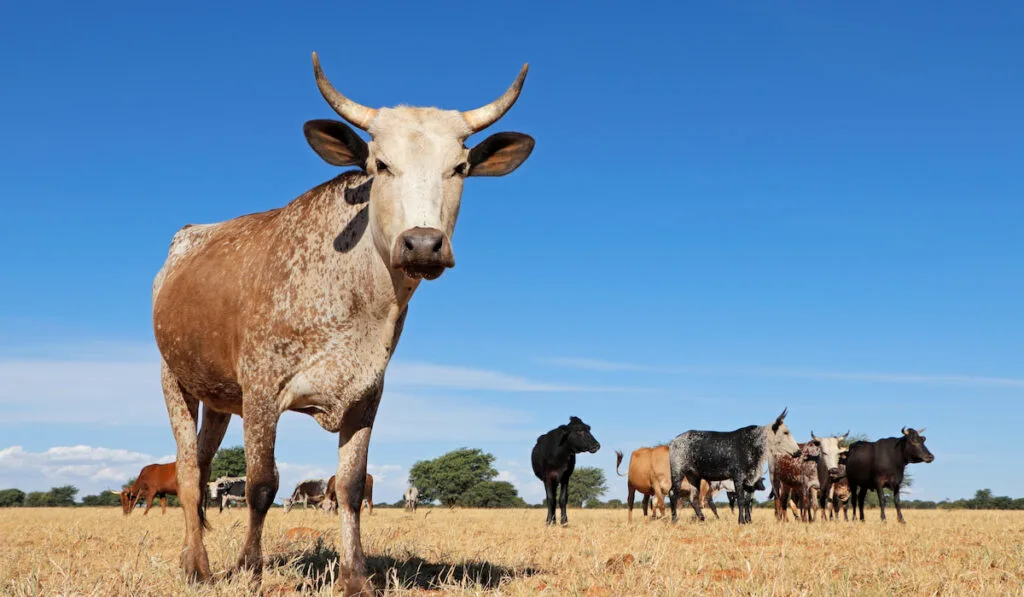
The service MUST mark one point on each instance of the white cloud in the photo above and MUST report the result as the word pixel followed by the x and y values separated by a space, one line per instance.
pixel 91 469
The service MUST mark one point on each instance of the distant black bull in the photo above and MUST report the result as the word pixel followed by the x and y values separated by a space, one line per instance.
pixel 738 455
pixel 880 464
pixel 554 460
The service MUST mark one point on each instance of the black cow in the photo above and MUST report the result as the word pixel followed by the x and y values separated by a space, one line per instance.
pixel 554 460
pixel 880 464
pixel 227 490
pixel 738 455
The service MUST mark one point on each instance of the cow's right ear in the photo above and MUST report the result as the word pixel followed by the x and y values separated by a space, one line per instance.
pixel 336 143
pixel 565 434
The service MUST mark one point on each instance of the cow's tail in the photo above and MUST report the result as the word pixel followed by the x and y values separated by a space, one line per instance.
pixel 618 461
pixel 204 523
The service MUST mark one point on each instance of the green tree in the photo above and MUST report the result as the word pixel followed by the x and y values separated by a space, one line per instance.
pixel 104 498
pixel 492 494
pixel 447 477
pixel 64 495
pixel 228 462
pixel 586 483
pixel 38 499
pixel 11 498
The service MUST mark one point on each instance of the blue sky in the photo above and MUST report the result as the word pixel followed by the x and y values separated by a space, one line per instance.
pixel 730 209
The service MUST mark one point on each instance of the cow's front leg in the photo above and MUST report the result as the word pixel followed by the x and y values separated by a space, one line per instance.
pixel 211 433
pixel 353 447
pixel 563 498
pixel 695 503
pixel 260 431
pixel 899 508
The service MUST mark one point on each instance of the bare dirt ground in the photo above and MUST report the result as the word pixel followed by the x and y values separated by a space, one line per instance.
pixel 97 551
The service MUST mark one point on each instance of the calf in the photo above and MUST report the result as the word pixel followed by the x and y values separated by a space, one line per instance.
pixel 832 452
pixel 554 460
pixel 310 490
pixel 880 464
pixel 412 498
pixel 738 455
pixel 154 481
pixel 838 495
pixel 227 490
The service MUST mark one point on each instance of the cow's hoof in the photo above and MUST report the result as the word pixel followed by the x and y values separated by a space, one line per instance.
pixel 357 585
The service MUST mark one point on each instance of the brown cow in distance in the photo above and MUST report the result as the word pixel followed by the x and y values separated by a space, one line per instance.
pixel 154 481
pixel 331 498
pixel 650 475
pixel 299 308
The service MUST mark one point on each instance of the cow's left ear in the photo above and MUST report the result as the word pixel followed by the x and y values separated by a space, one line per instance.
pixel 565 435
pixel 336 143
pixel 499 154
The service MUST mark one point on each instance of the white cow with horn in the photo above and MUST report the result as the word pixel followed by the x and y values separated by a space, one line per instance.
pixel 300 308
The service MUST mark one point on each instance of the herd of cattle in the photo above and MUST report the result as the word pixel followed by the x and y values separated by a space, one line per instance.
pixel 157 481
pixel 818 475
pixel 300 308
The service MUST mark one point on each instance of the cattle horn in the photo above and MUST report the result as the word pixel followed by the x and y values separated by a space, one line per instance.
pixel 357 114
pixel 114 492
pixel 904 431
pixel 485 116
pixel 845 435
pixel 814 437
pixel 783 415
pixel 921 430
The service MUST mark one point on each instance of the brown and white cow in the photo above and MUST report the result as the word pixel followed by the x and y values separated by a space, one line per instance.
pixel 154 481
pixel 796 477
pixel 300 308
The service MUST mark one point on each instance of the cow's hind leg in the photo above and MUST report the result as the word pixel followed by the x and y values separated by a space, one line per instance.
pixel 862 494
pixel 183 410
pixel 261 480
pixel 549 492
pixel 695 496
pixel 211 434
pixel 163 505
pixel 563 497
pixel 880 492
pixel 630 499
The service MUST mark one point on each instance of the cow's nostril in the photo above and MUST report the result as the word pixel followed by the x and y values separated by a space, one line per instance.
pixel 409 244
pixel 438 244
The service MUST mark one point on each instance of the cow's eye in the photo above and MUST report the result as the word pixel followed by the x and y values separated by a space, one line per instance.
pixel 381 166
pixel 461 169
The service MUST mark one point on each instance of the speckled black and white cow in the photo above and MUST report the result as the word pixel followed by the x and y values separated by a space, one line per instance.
pixel 738 455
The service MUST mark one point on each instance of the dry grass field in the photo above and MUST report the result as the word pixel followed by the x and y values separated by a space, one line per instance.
pixel 97 551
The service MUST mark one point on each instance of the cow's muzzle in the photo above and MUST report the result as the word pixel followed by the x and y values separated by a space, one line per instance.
pixel 422 253
pixel 797 454
pixel 594 448
pixel 929 458
pixel 833 473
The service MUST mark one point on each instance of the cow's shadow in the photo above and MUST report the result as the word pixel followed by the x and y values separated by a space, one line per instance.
pixel 318 568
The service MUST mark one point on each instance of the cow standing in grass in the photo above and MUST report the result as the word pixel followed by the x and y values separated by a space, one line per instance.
pixel 880 465
pixel 738 455
pixel 411 497
pixel 300 308
pixel 554 460
pixel 310 491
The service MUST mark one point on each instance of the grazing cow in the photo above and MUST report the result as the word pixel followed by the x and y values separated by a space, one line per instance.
pixel 796 476
pixel 300 308
pixel 880 464
pixel 330 503
pixel 154 481
pixel 227 491
pixel 412 498
pixel 738 455
pixel 310 490
pixel 554 460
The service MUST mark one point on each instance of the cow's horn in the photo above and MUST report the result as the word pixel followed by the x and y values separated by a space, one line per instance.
pixel 485 116
pixel 921 430
pixel 114 492
pixel 357 114
pixel 904 431
pixel 814 437
pixel 846 435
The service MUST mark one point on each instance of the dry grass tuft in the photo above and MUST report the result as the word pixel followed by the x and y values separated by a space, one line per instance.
pixel 97 551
